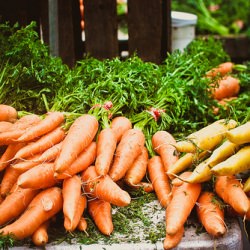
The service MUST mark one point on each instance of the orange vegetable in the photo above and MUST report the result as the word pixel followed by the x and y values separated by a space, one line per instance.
pixel 138 170
pixel 71 191
pixel 9 178
pixel 84 160
pixel 160 180
pixel 40 176
pixel 163 142
pixel 40 237
pixel 79 136
pixel 129 148
pixel 211 214
pixel 104 188
pixel 82 224
pixel 15 203
pixel 44 206
pixel 106 146
pixel 43 143
pixel 183 201
pixel 8 113
pixel 100 212
pixel 225 88
pixel 172 241
pixel 120 125
pixel 51 121
pixel 230 190
pixel 5 126
pixel 221 70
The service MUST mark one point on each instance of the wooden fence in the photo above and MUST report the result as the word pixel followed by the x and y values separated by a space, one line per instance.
pixel 59 26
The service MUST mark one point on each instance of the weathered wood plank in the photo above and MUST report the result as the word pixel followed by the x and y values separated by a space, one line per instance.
pixel 149 29
pixel 101 28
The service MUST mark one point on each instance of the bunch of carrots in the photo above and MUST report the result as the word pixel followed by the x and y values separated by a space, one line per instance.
pixel 48 166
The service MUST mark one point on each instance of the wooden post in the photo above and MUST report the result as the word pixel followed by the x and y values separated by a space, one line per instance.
pixel 149 30
pixel 101 28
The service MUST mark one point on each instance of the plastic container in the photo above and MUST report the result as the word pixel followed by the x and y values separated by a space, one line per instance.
pixel 183 29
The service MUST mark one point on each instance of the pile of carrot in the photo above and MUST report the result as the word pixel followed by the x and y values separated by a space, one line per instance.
pixel 47 167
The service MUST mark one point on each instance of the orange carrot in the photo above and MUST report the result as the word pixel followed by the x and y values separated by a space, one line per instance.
pixel 10 177
pixel 172 241
pixel 84 160
pixel 100 212
pixel 145 186
pixel 221 70
pixel 40 237
pixel 230 190
pixel 71 191
pixel 40 176
pixel 138 170
pixel 183 201
pixel 163 142
pixel 15 203
pixel 106 146
pixel 43 143
pixel 82 224
pixel 159 180
pixel 44 206
pixel 129 148
pixel 5 126
pixel 8 113
pixel 225 88
pixel 211 214
pixel 120 125
pixel 104 188
pixel 72 225
pixel 51 121
pixel 18 129
pixel 80 135
pixel 9 153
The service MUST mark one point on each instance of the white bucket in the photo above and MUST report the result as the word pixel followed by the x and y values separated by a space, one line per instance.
pixel 183 29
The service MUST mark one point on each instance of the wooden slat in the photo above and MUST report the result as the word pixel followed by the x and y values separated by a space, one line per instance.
pixel 101 28
pixel 149 29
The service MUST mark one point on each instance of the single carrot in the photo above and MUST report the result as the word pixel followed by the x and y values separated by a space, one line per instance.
pixel 44 206
pixel 226 87
pixel 163 142
pixel 51 121
pixel 120 125
pixel 82 224
pixel 145 186
pixel 211 214
pixel 18 129
pixel 171 241
pixel 235 164
pixel 5 126
pixel 183 201
pixel 106 146
pixel 79 136
pixel 207 138
pixel 230 190
pixel 104 188
pixel 83 161
pixel 160 180
pixel 43 143
pixel 40 237
pixel 8 113
pixel 181 164
pixel 138 170
pixel 69 225
pixel 9 178
pixel 240 134
pixel 71 191
pixel 9 153
pixel 100 212
pixel 15 203
pixel 221 70
pixel 129 148
pixel 40 176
